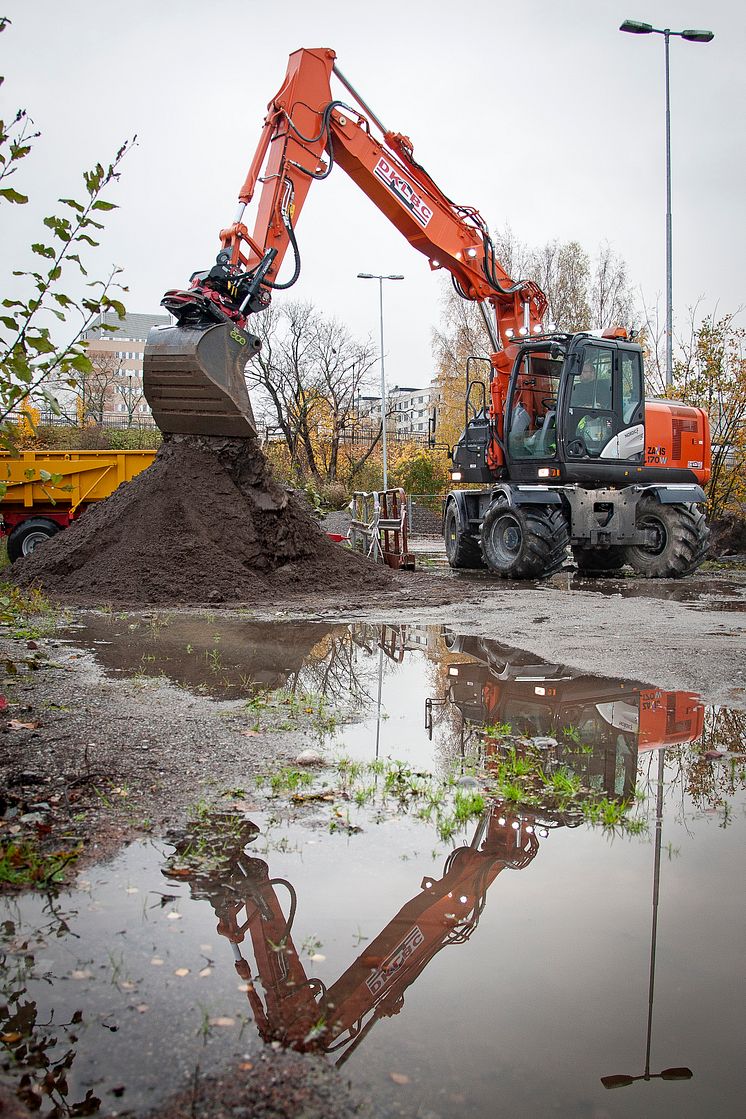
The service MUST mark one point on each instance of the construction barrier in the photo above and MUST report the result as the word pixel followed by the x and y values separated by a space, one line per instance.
pixel 379 527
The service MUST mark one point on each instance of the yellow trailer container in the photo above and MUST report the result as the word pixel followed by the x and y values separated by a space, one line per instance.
pixel 47 490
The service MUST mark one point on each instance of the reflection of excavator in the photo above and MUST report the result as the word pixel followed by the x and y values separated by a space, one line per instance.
pixel 570 449
pixel 614 718
pixel 304 1014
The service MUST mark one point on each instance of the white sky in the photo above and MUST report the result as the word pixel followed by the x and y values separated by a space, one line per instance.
pixel 542 115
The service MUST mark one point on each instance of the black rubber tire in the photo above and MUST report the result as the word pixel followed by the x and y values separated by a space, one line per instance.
pixel 28 535
pixel 462 550
pixel 683 539
pixel 599 561
pixel 525 541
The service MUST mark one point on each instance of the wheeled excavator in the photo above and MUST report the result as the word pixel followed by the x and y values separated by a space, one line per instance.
pixel 560 448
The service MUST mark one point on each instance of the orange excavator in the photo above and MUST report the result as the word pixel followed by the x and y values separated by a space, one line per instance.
pixel 563 442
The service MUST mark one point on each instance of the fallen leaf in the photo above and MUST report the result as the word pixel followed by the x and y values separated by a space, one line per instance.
pixel 246 1066
pixel 132 890
pixel 81 973
pixel 142 1007
pixel 317 957
pixel 181 972
pixel 205 972
pixel 249 733
pixel 244 987
pixel 157 961
pixel 222 1021
pixel 399 1078
pixel 3 703
pixel 16 724
pixel 9 1038
pixel 174 917
pixel 127 985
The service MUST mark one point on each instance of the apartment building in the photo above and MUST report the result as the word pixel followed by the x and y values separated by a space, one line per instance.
pixel 409 409
pixel 114 392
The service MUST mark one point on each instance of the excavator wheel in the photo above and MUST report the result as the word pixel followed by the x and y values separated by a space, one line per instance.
pixel 193 379
pixel 599 561
pixel 682 538
pixel 462 550
pixel 524 541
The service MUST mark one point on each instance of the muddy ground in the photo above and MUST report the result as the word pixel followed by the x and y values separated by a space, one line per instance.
pixel 93 760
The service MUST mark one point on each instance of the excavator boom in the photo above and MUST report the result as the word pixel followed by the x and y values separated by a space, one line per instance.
pixel 193 371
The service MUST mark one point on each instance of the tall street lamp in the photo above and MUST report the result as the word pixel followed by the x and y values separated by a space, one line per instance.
pixel 692 36
pixel 371 276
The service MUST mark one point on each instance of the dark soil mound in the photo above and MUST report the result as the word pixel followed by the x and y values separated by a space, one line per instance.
pixel 728 536
pixel 204 523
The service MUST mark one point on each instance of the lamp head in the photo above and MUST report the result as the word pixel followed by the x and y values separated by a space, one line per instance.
pixel 635 28
pixel 698 36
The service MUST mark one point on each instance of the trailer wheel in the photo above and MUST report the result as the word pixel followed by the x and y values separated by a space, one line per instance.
pixel 525 542
pixel 682 537
pixel 462 550
pixel 28 535
pixel 597 561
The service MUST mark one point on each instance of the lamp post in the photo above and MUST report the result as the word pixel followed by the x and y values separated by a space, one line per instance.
pixel 371 276
pixel 692 36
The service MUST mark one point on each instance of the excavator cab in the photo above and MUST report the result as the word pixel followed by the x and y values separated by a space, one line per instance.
pixel 579 408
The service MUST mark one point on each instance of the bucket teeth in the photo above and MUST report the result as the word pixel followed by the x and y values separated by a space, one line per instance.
pixel 193 379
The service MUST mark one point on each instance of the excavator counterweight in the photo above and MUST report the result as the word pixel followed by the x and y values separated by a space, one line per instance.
pixel 193 379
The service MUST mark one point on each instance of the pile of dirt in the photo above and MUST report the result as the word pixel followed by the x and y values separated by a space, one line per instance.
pixel 206 523
pixel 728 536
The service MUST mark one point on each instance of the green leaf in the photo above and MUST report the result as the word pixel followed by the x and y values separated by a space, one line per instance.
pixel 41 344
pixel 63 300
pixel 100 205
pixel 82 364
pixel 85 237
pixel 75 205
pixel 11 195
pixel 115 305
pixel 10 323
pixel 76 258
pixel 43 250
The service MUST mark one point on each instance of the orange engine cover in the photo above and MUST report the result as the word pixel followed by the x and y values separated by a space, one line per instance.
pixel 677 436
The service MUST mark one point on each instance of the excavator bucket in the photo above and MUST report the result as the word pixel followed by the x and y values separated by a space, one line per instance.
pixel 193 379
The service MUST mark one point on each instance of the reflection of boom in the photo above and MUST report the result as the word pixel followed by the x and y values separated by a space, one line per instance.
pixel 304 1014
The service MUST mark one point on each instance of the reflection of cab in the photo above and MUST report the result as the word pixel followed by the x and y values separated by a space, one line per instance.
pixel 600 724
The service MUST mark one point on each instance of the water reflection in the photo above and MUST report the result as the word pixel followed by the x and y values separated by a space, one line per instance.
pixel 301 1012
pixel 594 725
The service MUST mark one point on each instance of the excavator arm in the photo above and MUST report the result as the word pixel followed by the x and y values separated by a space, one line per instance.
pixel 306 131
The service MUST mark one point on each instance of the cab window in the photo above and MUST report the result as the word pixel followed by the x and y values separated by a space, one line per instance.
pixel 631 384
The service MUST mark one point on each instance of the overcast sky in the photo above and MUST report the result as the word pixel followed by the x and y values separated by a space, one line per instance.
pixel 542 115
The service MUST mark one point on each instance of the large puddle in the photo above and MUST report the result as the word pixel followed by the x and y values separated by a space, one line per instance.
pixel 520 962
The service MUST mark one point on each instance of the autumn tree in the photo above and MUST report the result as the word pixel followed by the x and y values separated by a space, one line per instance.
pixel 310 374
pixel 42 327
pixel 710 372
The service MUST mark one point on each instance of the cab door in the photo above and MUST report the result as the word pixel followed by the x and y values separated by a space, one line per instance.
pixel 604 407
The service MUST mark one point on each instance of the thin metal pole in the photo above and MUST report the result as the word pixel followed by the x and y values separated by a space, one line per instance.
pixel 669 265
pixel 383 393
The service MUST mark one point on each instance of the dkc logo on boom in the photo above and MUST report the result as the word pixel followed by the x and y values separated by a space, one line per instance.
pixel 403 190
